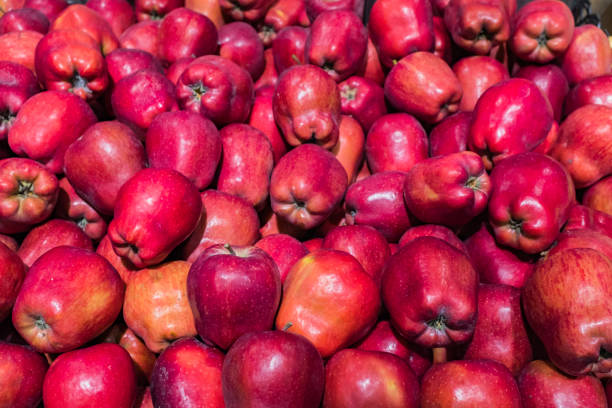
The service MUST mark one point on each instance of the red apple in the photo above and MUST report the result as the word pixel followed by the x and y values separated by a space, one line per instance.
pixel 450 135
pixel 316 7
pixel 566 302
pixel 273 368
pixel 22 372
pixel 306 185
pixel 123 266
pixel 24 19
pixel 307 106
pixel 269 76
pixel 233 290
pixel 12 274
pixel 119 14
pixel 57 312
pixel 142 36
pixel 430 290
pixel 125 61
pixel 156 210
pixel 443 45
pixel 142 357
pixel 247 155
pixel 156 307
pixel 372 68
pixel 475 383
pixel 588 56
pixel 188 373
pixel 500 333
pixel 495 264
pixel 17 84
pixel 61 117
pixel 362 99
pixel 583 145
pixel 262 118
pixel 543 386
pixel 378 201
pixel 50 8
pixel 101 161
pixel 28 194
pixel 288 48
pixel 239 42
pixel 19 47
pixel 511 117
pixel 583 238
pixel 423 85
pixel 284 250
pixel 226 219
pixel 329 299
pixel 395 142
pixel 349 150
pixel 477 74
pixel 50 235
pixel 386 339
pixel 282 14
pixel 155 9
pixel 401 27
pixel 596 197
pixel 185 142
pixel 432 230
pixel 174 71
pixel 596 91
pixel 551 81
pixel 72 207
pixel 100 375
pixel 185 33
pixel 581 217
pixel 360 378
pixel 337 42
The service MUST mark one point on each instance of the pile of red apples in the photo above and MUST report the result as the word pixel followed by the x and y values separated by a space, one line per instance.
pixel 269 203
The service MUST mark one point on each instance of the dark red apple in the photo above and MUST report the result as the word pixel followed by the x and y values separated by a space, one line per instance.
pixel 22 372
pixel 273 368
pixel 596 197
pixel 284 250
pixel 233 290
pixel 450 135
pixel 125 61
pixel 57 312
pixel 12 274
pixel 443 45
pixel 155 211
pixel 50 8
pixel 596 91
pixel 551 81
pixel 24 19
pixel 185 142
pixel 71 206
pixel 581 217
pixel 588 56
pixel 362 99
pixel 262 118
pixel 142 36
pixel 477 74
pixel 239 42
pixel 316 7
pixel 119 14
pixel 188 373
pixel 101 375
pixel 288 48
pixel 432 230
pixel 17 84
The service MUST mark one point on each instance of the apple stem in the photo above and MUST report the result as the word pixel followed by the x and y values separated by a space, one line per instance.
pixel 287 326
pixel 49 358
pixel 439 355
pixel 230 249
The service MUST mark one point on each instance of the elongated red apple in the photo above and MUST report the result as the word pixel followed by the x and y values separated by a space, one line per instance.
pixel 49 235
pixel 501 126
pixel 349 150
pixel 567 303
pixel 401 27
pixel 239 42
pixel 542 31
pixel 226 219
pixel 583 145
pixel 288 48
pixel 188 373
pixel 469 383
pixel 71 206
pixel 365 243
pixel 386 339
pixel 551 81
pixel 530 201
pixel 28 194
pixel 81 302
pixel 477 74
pixel 247 155
pixel 186 33
pixel 500 333
pixel 449 190
pixel 106 369
pixel 495 264
pixel 362 99
pixel 450 135
pixel 306 185
pixel 216 88
pixel 156 210
pixel 307 106
pixel 478 26
pixel 66 117
pixel 22 372
pixel 422 308
pixel 99 163
pixel 186 142
pixel 596 91
pixel 262 118
pixel 269 75
pixel 337 42
pixel 156 307
pixel 378 201
pixel 329 299
pixel 119 14
pixel 543 386
pixel 432 230
pixel 17 84
pixel 395 142
pixel 233 290
pixel 423 85
pixel 12 274
pixel 360 378
pixel 273 368
pixel 588 55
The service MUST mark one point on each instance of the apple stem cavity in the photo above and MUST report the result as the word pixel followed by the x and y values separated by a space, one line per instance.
pixel 78 82
pixel 604 354
pixel 25 188
pixel 542 39
pixel 82 223
pixel 40 323
pixel 439 355
pixel 349 93
pixel 198 89
pixel 472 182
pixel 439 323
